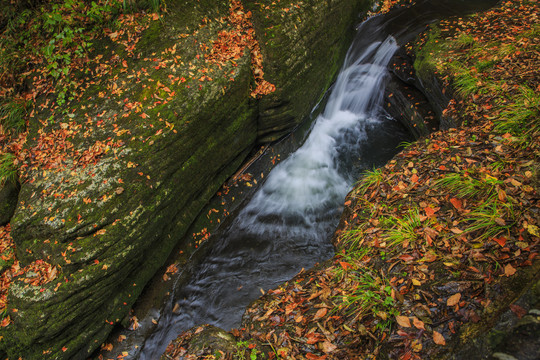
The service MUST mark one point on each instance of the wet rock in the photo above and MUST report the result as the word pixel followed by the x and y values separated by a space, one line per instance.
pixel 513 334
pixel 145 160
pixel 202 340
pixel 303 48
pixel 9 193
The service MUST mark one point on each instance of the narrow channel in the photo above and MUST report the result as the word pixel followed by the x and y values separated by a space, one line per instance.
pixel 288 223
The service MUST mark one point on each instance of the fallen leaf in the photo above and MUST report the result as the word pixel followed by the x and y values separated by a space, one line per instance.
pixel 430 211
pixel 457 203
pixel 328 347
pixel 501 241
pixel 533 230
pixel 320 313
pixel 453 300
pixel 438 338
pixel 518 310
pixel 403 321
pixel 456 230
pixel 419 324
pixel 509 270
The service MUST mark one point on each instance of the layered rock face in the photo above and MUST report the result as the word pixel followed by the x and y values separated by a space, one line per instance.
pixel 118 173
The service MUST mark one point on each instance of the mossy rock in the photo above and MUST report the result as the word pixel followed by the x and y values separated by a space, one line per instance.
pixel 303 46
pixel 9 193
pixel 159 139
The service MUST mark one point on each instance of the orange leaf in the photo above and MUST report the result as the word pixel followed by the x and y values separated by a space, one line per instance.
pixel 501 241
pixel 509 270
pixel 453 300
pixel 438 338
pixel 430 211
pixel 345 265
pixel 320 313
pixel 403 321
pixel 414 178
pixel 419 324
pixel 457 203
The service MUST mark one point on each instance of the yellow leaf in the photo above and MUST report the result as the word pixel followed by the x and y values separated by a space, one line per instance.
pixel 403 321
pixel 533 230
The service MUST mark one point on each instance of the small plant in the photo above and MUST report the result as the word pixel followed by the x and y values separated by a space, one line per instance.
pixel 13 116
pixel 469 184
pixel 465 41
pixel 405 230
pixel 406 144
pixel 8 169
pixel 370 178
pixel 371 295
pixel 490 219
pixel 522 117
pixel 466 83
pixel 240 352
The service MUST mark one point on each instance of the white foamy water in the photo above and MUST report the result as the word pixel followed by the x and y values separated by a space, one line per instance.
pixel 300 190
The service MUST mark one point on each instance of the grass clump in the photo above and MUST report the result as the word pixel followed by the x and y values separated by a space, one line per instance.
pixel 13 116
pixel 469 184
pixel 522 116
pixel 490 219
pixel 406 229
pixel 367 293
pixel 369 178
pixel 8 169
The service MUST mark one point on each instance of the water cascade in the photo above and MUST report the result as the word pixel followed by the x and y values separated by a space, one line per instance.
pixel 286 225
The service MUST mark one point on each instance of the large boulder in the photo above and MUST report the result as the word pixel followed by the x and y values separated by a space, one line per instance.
pixel 114 177
pixel 303 47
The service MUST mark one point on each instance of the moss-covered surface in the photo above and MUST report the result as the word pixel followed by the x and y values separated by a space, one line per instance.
pixel 141 151
pixel 303 44
pixel 113 177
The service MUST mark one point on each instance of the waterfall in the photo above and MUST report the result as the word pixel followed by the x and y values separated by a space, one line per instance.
pixel 287 224
pixel 299 192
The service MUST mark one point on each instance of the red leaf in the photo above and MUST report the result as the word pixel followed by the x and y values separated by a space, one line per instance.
pixel 430 211
pixel 406 257
pixel 501 241
pixel 312 356
pixel 457 203
pixel 518 310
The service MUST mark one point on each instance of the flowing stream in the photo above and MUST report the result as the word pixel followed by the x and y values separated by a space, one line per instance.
pixel 287 224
